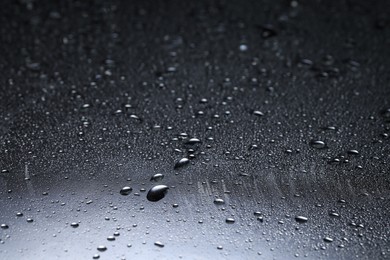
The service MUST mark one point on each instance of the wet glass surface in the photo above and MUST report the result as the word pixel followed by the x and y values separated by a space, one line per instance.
pixel 177 129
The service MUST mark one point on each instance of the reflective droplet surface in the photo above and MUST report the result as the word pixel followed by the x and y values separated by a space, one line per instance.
pixel 230 220
pixel 74 224
pixel 182 162
pixel 258 113
pixel 301 219
pixel 157 193
pixel 101 248
pixel 159 244
pixel 219 201
pixel 328 240
pixel 193 141
pixel 4 226
pixel 317 144
pixel 126 191
pixel 353 152
pixel 157 177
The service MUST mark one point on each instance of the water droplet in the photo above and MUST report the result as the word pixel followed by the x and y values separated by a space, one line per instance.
pixel 219 201
pixel 101 248
pixel 182 162
pixel 74 224
pixel 328 240
pixel 317 144
pixel 126 190
pixel 258 113
pixel 157 177
pixel 4 226
pixel 193 141
pixel 96 256
pixel 353 152
pixel 301 219
pixel 157 193
pixel 29 220
pixel 159 244
pixel 243 47
pixel 230 220
pixel 219 247
pixel 110 238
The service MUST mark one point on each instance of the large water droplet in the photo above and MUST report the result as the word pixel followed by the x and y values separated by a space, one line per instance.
pixel 157 193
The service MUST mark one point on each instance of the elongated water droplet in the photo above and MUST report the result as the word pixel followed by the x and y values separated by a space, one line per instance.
pixel 230 220
pixel 317 144
pixel 74 224
pixel 301 219
pixel 193 141
pixel 328 240
pixel 159 244
pixel 125 191
pixel 353 152
pixel 157 177
pixel 258 113
pixel 157 193
pixel 219 201
pixel 4 226
pixel 101 248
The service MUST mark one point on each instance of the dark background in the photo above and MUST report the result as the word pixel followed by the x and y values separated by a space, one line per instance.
pixel 96 95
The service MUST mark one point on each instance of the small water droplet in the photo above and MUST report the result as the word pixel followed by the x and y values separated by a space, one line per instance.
pixel 243 47
pixel 157 177
pixel 258 113
pixel 101 248
pixel 353 152
pixel 182 162
pixel 126 190
pixel 110 238
pixel 74 224
pixel 159 244
pixel 328 240
pixel 230 220
pixel 157 193
pixel 317 144
pixel 193 141
pixel 4 226
pixel 301 219
pixel 219 201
